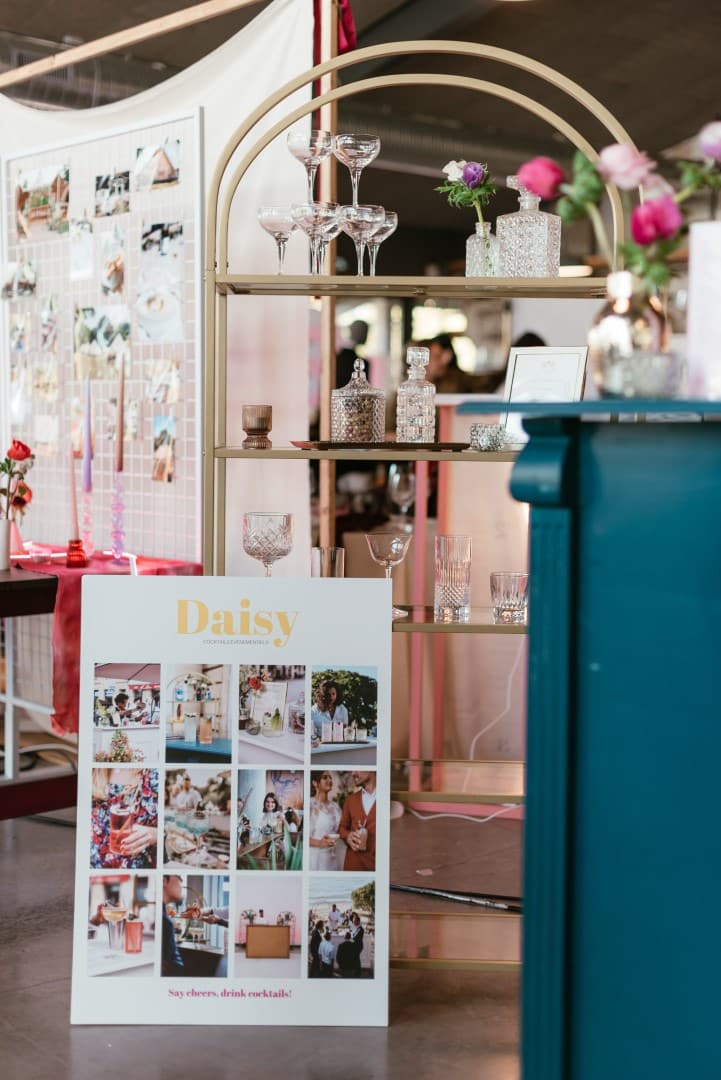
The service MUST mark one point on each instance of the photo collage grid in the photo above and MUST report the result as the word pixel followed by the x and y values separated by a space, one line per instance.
pixel 100 281
pixel 230 838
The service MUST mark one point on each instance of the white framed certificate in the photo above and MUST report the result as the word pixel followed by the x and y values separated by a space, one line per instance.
pixel 542 373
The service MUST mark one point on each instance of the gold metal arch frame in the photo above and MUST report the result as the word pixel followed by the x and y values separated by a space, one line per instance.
pixel 405 48
pixel 216 452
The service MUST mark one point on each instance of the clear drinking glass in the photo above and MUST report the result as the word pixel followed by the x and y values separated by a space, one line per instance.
pixel 278 221
pixel 355 152
pixel 329 232
pixel 360 222
pixel 310 148
pixel 389 549
pixel 387 227
pixel 267 537
pixel 315 219
pixel 402 490
pixel 327 562
pixel 452 592
pixel 115 916
pixel 509 596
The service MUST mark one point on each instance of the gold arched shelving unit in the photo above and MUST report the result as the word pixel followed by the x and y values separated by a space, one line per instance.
pixel 219 284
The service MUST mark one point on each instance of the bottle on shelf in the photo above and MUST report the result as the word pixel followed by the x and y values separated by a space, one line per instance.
pixel 416 402
pixel 529 241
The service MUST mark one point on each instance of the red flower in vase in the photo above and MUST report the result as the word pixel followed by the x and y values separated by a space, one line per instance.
pixel 19 451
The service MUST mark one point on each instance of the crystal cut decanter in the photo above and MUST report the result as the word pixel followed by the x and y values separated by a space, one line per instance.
pixel 482 252
pixel 530 240
pixel 358 410
pixel 416 403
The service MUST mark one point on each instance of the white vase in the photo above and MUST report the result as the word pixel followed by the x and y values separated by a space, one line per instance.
pixel 5 525
pixel 704 310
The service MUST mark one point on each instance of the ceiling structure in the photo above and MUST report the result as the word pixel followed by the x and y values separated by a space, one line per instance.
pixel 630 56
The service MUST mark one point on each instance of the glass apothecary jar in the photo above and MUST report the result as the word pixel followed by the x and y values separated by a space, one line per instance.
pixel 357 410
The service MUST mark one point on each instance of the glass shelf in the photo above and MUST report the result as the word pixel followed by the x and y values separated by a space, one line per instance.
pixel 292 453
pixel 420 621
pixel 419 287
pixel 497 782
pixel 467 941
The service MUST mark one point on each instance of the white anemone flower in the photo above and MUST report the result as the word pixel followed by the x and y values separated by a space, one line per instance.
pixel 454 170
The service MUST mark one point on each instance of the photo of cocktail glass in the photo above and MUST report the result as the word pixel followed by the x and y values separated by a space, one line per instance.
pixel 267 537
pixel 279 222
pixel 115 914
pixel 387 227
pixel 360 222
pixel 310 148
pixel 402 490
pixel 121 822
pixel 389 549
pixel 355 151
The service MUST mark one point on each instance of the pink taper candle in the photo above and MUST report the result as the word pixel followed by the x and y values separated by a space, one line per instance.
pixel 119 422
pixel 74 526
pixel 88 440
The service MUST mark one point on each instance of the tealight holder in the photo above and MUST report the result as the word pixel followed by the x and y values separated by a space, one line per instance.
pixel 257 422
pixel 76 556
pixel 488 437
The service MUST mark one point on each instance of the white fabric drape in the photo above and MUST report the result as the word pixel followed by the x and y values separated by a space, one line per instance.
pixel 269 351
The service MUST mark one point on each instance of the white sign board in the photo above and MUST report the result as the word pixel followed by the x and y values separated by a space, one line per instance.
pixel 233 802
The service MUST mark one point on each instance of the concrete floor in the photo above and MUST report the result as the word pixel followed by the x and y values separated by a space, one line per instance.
pixel 443 1024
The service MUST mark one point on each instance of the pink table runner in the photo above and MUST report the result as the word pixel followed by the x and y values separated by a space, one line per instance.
pixel 66 625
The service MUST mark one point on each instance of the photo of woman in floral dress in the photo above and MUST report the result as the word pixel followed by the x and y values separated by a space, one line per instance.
pixel 124 819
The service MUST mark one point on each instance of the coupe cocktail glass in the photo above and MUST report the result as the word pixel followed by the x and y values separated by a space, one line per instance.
pixel 389 549
pixel 360 222
pixel 355 152
pixel 310 148
pixel 278 221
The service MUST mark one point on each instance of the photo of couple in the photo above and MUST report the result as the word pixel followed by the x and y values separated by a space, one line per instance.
pixel 342 820
pixel 341 926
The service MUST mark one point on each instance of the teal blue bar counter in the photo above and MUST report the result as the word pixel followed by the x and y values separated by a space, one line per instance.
pixel 622 877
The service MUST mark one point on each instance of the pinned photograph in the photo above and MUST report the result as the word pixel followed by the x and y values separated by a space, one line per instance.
pixel 21 387
pixel 268 927
pixel 164 448
pixel 344 715
pixel 20 331
pixel 101 341
pixel 42 197
pixel 161 252
pixel 131 419
pixel 82 249
pixel 47 432
pixel 126 712
pixel 112 194
pixel 25 278
pixel 49 324
pixel 341 925
pixel 157 166
pixel 270 819
pixel 45 378
pixel 197 817
pixel 342 820
pixel 121 925
pixel 197 724
pixel 112 261
pixel 271 713
pixel 159 313
pixel 124 818
pixel 9 270
pixel 196 914
pixel 163 385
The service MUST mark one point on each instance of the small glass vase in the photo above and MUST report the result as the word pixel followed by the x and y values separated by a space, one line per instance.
pixel 628 344
pixel 482 252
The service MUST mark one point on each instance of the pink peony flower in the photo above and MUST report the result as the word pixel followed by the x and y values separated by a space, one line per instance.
pixel 624 166
pixel 542 176
pixel 657 219
pixel 709 140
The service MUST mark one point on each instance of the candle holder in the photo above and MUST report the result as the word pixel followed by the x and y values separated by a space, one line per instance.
pixel 76 554
pixel 117 519
pixel 257 422
pixel 86 527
